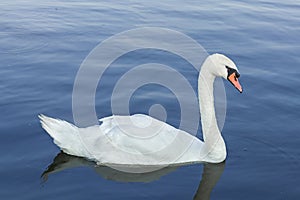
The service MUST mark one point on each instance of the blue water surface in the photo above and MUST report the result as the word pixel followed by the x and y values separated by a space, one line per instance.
pixel 43 43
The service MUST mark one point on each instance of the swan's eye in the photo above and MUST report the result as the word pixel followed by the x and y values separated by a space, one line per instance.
pixel 231 71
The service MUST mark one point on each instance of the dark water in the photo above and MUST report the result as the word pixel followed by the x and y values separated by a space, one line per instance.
pixel 42 45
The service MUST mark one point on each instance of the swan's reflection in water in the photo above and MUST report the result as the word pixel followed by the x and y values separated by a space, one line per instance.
pixel 210 176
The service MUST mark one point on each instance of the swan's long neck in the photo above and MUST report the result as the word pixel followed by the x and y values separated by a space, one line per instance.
pixel 211 133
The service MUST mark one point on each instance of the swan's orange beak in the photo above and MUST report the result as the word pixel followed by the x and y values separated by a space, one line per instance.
pixel 235 82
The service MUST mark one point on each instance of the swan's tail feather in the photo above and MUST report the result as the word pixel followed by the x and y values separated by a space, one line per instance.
pixel 64 134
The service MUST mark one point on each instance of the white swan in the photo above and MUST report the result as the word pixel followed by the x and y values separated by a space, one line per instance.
pixel 110 143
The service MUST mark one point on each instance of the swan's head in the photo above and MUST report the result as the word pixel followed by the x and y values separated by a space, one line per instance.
pixel 225 67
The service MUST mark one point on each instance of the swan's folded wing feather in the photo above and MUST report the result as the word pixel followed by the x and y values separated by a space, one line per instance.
pixel 140 139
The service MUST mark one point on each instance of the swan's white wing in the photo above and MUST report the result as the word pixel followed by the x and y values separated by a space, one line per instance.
pixel 139 140
pixel 138 134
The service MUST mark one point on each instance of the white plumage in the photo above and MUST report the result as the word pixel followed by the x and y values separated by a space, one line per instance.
pixel 142 140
